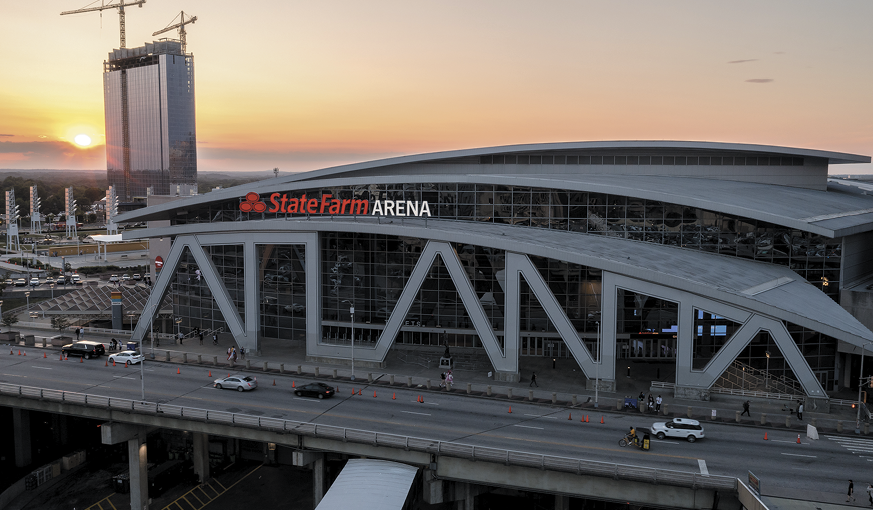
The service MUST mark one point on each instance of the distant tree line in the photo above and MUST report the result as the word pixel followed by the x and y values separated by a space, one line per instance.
pixel 51 194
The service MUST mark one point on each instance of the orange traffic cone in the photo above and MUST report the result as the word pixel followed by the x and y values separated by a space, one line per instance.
pixel 19 352
pixel 765 436
pixel 292 384
pixel 66 358
pixel 374 395
pixel 210 374
pixel 274 382
pixel 126 364
pixel 359 392
pixel 601 420
pixel 113 363
pixel 44 356
pixel 25 353
pixel 354 392
pixel 798 438
pixel 510 409
pixel 82 359
pixel 421 399
pixel 394 396
pixel 11 352
pixel 570 417
pixel 586 418
pixel 178 371
pixel 106 363
pixel 62 356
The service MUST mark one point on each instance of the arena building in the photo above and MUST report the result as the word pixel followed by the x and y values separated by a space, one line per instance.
pixel 709 256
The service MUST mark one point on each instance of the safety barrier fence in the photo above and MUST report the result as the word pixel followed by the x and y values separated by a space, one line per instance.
pixel 432 446
pixel 732 391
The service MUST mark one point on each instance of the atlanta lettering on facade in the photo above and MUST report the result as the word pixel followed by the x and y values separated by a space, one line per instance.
pixel 326 204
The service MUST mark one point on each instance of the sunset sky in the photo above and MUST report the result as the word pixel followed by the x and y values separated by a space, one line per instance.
pixel 304 85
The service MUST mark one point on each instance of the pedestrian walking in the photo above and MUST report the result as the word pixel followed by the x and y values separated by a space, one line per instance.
pixel 181 336
pixel 77 334
pixel 82 333
pixel 449 379
pixel 870 493
pixel 533 380
pixel 651 402
pixel 850 496
pixel 800 411
pixel 214 338
pixel 746 409
pixel 200 335
pixel 442 379
pixel 242 353
pixel 658 404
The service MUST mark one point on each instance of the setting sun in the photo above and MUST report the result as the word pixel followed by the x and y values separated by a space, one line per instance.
pixel 83 140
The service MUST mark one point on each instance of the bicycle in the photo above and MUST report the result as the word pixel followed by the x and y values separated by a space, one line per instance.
pixel 628 439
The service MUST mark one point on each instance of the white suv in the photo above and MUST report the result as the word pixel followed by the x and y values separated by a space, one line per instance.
pixel 679 427
pixel 113 278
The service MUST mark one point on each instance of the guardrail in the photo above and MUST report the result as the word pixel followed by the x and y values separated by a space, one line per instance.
pixel 447 448
pixel 731 391
pixel 119 332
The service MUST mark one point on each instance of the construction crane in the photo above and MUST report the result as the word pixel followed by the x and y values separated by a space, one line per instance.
pixel 180 26
pixel 120 6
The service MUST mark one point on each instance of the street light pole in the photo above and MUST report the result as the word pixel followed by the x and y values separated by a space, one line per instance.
pixel 27 296
pixel 352 312
pixel 767 378
pixel 597 369
pixel 860 385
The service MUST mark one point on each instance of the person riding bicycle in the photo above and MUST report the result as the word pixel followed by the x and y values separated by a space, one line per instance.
pixel 632 436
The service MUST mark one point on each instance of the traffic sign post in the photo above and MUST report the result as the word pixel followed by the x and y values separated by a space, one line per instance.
pixel 159 263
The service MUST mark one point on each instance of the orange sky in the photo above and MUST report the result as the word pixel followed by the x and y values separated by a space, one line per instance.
pixel 303 85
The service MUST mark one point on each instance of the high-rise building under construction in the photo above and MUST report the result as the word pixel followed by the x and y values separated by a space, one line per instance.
pixel 148 95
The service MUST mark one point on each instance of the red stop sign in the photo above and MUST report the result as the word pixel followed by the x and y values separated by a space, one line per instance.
pixel 159 262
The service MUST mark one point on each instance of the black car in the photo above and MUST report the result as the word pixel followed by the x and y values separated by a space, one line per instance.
pixel 101 349
pixel 317 389
pixel 85 349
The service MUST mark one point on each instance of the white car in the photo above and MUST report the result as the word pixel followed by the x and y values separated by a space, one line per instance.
pixel 126 357
pixel 34 282
pixel 125 277
pixel 679 427
pixel 237 382
pixel 113 278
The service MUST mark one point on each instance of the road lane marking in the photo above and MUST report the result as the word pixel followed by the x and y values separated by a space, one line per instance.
pixel 542 416
pixel 799 455
pixel 783 441
pixel 41 368
pixel 527 427
pixel 413 412
pixel 702 464
pixel 125 377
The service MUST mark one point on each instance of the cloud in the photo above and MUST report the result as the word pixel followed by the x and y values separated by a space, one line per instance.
pixel 2 134
pixel 742 61
pixel 52 154
pixel 759 80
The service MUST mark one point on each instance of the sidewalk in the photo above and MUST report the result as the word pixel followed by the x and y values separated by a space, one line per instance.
pixel 564 385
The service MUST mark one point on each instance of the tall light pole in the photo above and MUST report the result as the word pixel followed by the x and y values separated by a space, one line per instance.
pixel 27 296
pixel 1 308
pixel 352 312
pixel 597 369
pixel 179 327
pixel 52 286
pixel 767 378
pixel 860 385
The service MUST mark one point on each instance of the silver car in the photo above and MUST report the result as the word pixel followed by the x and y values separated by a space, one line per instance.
pixel 237 382
pixel 126 357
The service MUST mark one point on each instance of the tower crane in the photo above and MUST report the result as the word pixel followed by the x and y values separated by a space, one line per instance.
pixel 180 26
pixel 120 6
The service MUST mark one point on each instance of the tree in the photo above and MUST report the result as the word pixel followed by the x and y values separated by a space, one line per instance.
pixel 9 320
pixel 61 323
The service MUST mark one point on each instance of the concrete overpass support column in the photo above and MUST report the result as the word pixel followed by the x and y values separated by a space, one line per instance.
pixel 318 476
pixel 201 456
pixel 433 489
pixel 21 435
pixel 137 453
pixel 562 502
pixel 465 496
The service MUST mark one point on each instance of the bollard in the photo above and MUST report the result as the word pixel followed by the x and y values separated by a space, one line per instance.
pixel 689 411
pixel 199 359
pixel 299 369
pixel 839 425
pixel 813 422
pixel 428 384
pixel 215 360
pixel 248 364
pixel 619 403
pixel 370 378
pixel 574 400
pixel 334 373
pixel 448 386
pixel 788 421
pixel 763 418
pixel 738 416
pixel 409 382
pixel 281 368
pixel 168 355
pixel 391 379
pixel 265 366
pixel 316 371
pixel 509 393
pixel 554 398
pixel 664 408
pixel 469 388
pixel 488 390
pixel 866 428
pixel 530 395
pixel 184 357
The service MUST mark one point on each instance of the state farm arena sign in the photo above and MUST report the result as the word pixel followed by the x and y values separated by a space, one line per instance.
pixel 327 204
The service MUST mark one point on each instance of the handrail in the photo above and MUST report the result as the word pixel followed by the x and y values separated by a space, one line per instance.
pixel 449 449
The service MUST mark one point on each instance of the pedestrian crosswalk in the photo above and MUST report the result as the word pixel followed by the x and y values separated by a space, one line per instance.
pixel 856 445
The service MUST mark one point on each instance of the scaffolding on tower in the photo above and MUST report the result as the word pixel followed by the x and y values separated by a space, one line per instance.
pixel 70 211
pixel 35 216
pixel 12 241
pixel 111 210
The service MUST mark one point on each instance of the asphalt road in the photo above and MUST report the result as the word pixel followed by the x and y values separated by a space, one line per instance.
pixel 823 465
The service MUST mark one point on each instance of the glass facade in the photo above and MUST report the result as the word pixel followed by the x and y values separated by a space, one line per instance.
pixel 646 326
pixel 150 121
pixel 711 332
pixel 813 257
pixel 282 290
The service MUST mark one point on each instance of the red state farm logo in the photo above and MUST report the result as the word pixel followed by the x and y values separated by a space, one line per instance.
pixel 253 203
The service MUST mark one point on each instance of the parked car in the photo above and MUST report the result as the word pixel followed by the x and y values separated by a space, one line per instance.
pixel 237 382
pixel 49 280
pixel 85 349
pixel 137 277
pixel 34 281
pixel 317 389
pixel 76 279
pixel 690 430
pixel 21 282
pixel 101 349
pixel 125 277
pixel 113 278
pixel 126 357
